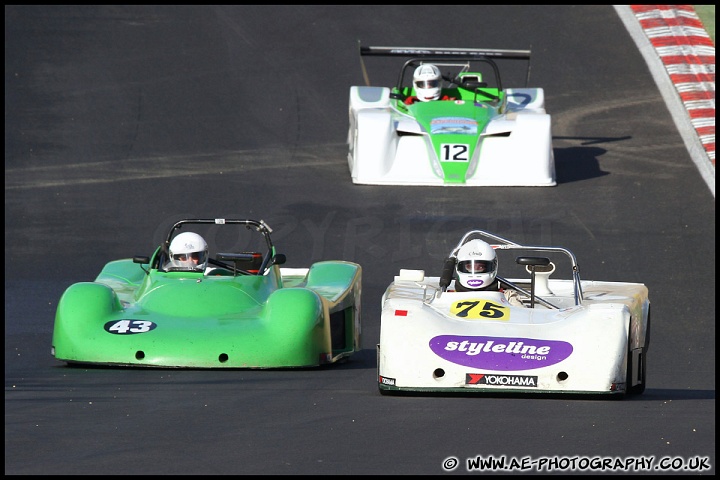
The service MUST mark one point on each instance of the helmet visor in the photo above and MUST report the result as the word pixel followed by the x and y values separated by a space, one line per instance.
pixel 476 266
pixel 184 257
pixel 191 260
pixel 427 83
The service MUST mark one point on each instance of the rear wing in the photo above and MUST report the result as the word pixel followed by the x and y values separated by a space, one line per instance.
pixel 444 54
pixel 451 53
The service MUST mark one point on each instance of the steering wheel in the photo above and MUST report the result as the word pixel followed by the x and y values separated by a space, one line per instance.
pixel 228 267
pixel 477 87
pixel 452 80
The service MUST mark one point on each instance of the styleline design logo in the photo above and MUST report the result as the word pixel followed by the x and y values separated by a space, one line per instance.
pixel 500 353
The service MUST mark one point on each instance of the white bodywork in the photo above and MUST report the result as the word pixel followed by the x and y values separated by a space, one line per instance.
pixel 579 347
pixel 379 155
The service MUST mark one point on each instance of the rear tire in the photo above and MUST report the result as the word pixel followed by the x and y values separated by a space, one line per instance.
pixel 642 358
pixel 640 387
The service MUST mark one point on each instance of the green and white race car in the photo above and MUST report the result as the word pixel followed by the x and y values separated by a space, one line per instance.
pixel 241 310
pixel 477 133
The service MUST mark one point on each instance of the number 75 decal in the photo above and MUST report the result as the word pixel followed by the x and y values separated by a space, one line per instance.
pixel 454 152
pixel 480 309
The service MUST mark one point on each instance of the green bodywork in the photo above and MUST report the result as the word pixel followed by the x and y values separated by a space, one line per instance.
pixel 466 120
pixel 132 315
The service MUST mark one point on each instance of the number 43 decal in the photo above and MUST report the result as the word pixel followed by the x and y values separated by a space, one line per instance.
pixel 480 309
pixel 129 327
pixel 454 152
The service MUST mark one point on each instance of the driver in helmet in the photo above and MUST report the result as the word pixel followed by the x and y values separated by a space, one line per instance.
pixel 427 81
pixel 188 251
pixel 476 269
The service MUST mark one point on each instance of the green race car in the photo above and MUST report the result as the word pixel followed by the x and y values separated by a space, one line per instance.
pixel 449 121
pixel 234 310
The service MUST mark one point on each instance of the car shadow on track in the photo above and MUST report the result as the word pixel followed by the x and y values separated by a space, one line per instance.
pixel 362 359
pixel 574 164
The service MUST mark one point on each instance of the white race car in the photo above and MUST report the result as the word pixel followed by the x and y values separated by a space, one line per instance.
pixel 569 337
pixel 477 134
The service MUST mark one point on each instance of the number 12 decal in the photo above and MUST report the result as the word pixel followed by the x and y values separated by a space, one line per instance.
pixel 454 152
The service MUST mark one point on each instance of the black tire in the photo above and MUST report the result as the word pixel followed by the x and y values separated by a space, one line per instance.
pixel 640 387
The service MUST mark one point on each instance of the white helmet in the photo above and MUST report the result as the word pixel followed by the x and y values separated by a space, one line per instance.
pixel 476 266
pixel 189 251
pixel 426 81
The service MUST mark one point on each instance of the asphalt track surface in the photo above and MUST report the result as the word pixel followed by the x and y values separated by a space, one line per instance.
pixel 119 120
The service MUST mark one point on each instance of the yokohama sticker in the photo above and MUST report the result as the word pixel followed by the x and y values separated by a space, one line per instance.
pixel 500 353
pixel 501 380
